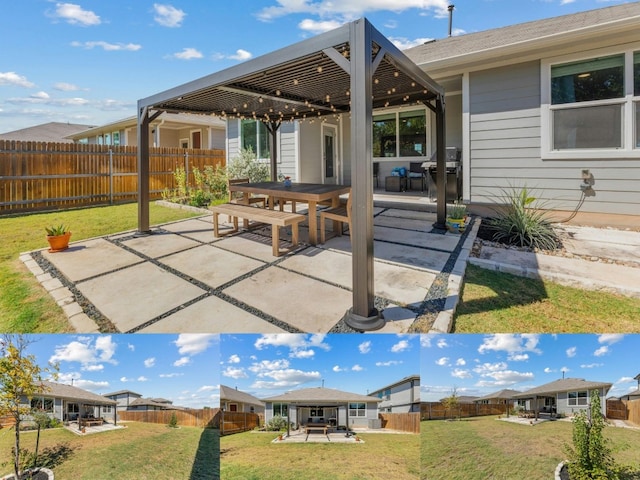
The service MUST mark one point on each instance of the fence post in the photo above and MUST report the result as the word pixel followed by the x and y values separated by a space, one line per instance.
pixel 186 171
pixel 110 176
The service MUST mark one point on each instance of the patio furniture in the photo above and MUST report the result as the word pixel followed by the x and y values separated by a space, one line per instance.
pixel 235 198
pixel 340 214
pixel 417 176
pixel 395 183
pixel 310 193
pixel 316 427
pixel 272 217
pixel 376 171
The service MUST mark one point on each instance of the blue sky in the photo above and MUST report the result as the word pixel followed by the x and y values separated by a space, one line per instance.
pixel 268 365
pixel 481 364
pixel 89 61
pixel 181 368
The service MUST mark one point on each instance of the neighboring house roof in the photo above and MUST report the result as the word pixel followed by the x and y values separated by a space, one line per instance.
pixel 320 394
pixel 490 44
pixel 59 390
pixel 122 392
pixel 505 394
pixel 46 132
pixel 168 120
pixel 160 400
pixel 150 402
pixel 399 382
pixel 463 399
pixel 564 385
pixel 634 393
pixel 228 394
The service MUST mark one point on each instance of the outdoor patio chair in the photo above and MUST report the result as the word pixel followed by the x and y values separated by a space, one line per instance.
pixel 417 175
pixel 341 214
pixel 238 197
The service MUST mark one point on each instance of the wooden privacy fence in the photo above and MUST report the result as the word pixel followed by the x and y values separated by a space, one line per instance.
pixel 49 176
pixel 188 418
pixel 404 422
pixel 437 411
pixel 624 410
pixel 236 422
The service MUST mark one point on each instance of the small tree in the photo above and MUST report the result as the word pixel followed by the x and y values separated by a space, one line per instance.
pixel 20 381
pixel 173 421
pixel 247 165
pixel 590 457
pixel 451 402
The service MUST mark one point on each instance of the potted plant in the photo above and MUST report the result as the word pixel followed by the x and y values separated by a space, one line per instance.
pixel 58 237
pixel 456 217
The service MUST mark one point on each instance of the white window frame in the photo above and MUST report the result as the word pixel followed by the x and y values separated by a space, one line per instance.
pixel 575 402
pixel 241 139
pixel 628 149
pixel 357 411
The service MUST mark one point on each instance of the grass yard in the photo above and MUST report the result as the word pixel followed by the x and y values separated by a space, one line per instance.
pixel 493 302
pixel 24 305
pixel 484 447
pixel 142 451
pixel 252 456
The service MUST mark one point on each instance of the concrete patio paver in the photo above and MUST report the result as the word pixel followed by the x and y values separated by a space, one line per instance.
pixel 124 296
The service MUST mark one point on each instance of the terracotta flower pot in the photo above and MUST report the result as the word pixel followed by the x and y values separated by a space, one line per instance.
pixel 58 243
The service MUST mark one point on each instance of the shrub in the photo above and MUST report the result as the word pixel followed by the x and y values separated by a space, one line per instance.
pixel 173 421
pixel 247 165
pixel 523 222
pixel 276 424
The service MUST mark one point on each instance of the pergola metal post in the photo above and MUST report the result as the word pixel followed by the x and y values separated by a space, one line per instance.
pixel 363 315
pixel 441 166
pixel 143 171
pixel 273 127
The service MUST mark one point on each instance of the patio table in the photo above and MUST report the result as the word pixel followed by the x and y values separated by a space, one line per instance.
pixel 310 193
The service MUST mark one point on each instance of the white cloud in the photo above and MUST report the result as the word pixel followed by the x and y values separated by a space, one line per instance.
pixel 349 9
pixel 142 378
pixel 108 47
pixel 93 368
pixel 601 351
pixel 442 343
pixel 86 352
pixel 192 344
pixel 168 15
pixel 504 378
pixel 207 388
pixel 565 369
pixel 131 347
pixel 65 87
pixel 401 346
pixel 241 55
pixel 610 338
pixel 315 27
pixel 302 353
pixel 286 379
pixel 233 372
pixel 518 357
pixel 404 43
pixel 365 347
pixel 487 368
pixel 288 340
pixel 510 343
pixel 461 362
pixel 268 365
pixel 234 359
pixel 548 370
pixel 75 15
pixel 357 368
pixel 626 380
pixel 443 361
pixel 182 361
pixel 170 375
pixel 461 373
pixel 187 54
pixel 12 78
pixel 571 352
pixel 425 341
pixel 390 363
pixel 592 365
pixel 150 362
pixel 337 368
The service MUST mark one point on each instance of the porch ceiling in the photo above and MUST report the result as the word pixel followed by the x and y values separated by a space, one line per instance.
pixel 303 81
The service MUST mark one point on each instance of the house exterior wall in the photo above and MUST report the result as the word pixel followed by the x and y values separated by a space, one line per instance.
pixel 123 399
pixel 401 398
pixel 354 422
pixel 563 407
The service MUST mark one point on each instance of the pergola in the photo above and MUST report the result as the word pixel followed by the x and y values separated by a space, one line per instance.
pixel 350 70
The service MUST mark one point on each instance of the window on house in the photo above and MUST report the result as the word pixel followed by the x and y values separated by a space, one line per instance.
pixel 280 409
pixel 42 404
pixel 400 134
pixel 636 93
pixel 73 408
pixel 115 138
pixel 255 136
pixel 106 409
pixel 317 412
pixel 578 398
pixel 357 409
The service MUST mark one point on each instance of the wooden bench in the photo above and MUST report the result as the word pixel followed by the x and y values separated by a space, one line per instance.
pixel 272 217
pixel 89 422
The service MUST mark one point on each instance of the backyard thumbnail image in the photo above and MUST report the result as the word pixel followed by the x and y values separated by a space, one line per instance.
pixel 319 406
pixel 98 407
pixel 530 406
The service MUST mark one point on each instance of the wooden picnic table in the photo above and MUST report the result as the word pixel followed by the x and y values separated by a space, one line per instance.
pixel 309 193
pixel 316 426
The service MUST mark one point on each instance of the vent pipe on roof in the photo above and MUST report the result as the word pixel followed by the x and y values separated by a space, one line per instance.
pixel 450 8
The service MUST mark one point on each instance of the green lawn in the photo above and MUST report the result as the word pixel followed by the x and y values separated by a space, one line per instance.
pixel 252 456
pixel 24 305
pixel 484 447
pixel 142 451
pixel 493 302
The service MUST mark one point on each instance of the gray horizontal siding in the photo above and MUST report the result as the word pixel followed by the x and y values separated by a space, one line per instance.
pixel 505 150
